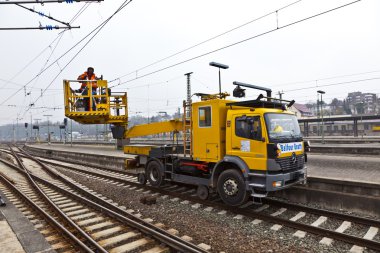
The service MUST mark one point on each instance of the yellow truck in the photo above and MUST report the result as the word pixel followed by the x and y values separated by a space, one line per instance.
pixel 239 149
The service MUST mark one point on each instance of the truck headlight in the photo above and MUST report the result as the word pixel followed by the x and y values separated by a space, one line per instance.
pixel 276 184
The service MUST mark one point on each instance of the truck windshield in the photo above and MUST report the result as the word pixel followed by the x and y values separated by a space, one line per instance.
pixel 282 127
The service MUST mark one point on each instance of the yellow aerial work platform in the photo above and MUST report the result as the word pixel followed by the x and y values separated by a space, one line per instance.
pixel 95 105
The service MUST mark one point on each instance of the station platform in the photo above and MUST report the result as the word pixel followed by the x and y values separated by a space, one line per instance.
pixel 9 241
pixel 84 149
pixel 107 156
pixel 346 148
pixel 348 167
pixel 18 234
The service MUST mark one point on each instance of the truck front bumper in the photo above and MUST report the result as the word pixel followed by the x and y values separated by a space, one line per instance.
pixel 269 182
pixel 285 180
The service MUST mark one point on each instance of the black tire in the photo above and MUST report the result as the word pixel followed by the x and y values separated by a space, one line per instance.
pixel 231 188
pixel 154 173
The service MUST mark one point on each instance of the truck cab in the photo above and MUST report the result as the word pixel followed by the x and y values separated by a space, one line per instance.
pixel 270 145
pixel 256 145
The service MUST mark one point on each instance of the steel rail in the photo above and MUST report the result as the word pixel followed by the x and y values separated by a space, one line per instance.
pixel 321 212
pixel 77 162
pixel 56 209
pixel 51 220
pixel 317 211
pixel 314 230
pixel 161 235
pixel 249 213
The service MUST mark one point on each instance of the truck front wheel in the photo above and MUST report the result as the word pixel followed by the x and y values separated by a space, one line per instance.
pixel 154 173
pixel 231 188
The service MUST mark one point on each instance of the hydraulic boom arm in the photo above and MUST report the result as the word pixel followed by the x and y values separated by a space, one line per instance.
pixel 153 128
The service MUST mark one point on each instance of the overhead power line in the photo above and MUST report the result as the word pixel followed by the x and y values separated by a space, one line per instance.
pixel 327 78
pixel 59 37
pixel 40 13
pixel 240 42
pixel 207 40
pixel 48 1
pixel 29 63
pixel 46 27
pixel 55 61
pixel 44 65
pixel 122 6
pixel 333 84
pixel 81 10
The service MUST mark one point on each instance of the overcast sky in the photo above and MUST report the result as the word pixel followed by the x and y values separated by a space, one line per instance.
pixel 294 59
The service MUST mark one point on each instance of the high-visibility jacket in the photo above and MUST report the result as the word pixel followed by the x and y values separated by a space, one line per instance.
pixel 85 76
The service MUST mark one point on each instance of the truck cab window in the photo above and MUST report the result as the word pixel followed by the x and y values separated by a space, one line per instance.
pixel 248 127
pixel 204 116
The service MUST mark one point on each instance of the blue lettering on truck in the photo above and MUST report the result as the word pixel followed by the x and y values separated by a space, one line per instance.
pixel 290 147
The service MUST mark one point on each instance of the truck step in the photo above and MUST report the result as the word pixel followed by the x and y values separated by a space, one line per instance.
pixel 258 195
pixel 257 185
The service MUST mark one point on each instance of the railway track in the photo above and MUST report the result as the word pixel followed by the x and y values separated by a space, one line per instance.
pixel 82 221
pixel 127 179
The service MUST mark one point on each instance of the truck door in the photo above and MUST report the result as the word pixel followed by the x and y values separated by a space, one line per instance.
pixel 247 140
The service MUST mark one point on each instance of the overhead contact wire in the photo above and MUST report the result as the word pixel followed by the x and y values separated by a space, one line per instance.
pixel 333 84
pixel 240 42
pixel 55 61
pixel 205 41
pixel 127 2
pixel 327 78
pixel 43 15
pixel 47 2
pixel 81 10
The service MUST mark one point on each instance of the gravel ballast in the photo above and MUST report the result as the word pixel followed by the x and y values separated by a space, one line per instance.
pixel 221 231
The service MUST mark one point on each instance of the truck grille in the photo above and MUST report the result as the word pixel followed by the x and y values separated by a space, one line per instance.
pixel 286 163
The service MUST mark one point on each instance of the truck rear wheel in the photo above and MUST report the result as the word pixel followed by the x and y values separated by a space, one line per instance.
pixel 231 188
pixel 154 173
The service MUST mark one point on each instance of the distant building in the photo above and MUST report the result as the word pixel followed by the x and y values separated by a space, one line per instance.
pixel 301 110
pixel 362 103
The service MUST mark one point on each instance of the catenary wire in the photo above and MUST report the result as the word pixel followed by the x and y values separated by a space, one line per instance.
pixel 207 40
pixel 332 84
pixel 29 63
pixel 123 5
pixel 83 8
pixel 55 61
pixel 47 1
pixel 239 42
pixel 326 78
pixel 44 15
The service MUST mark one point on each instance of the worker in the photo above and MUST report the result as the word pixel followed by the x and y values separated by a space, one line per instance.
pixel 89 75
